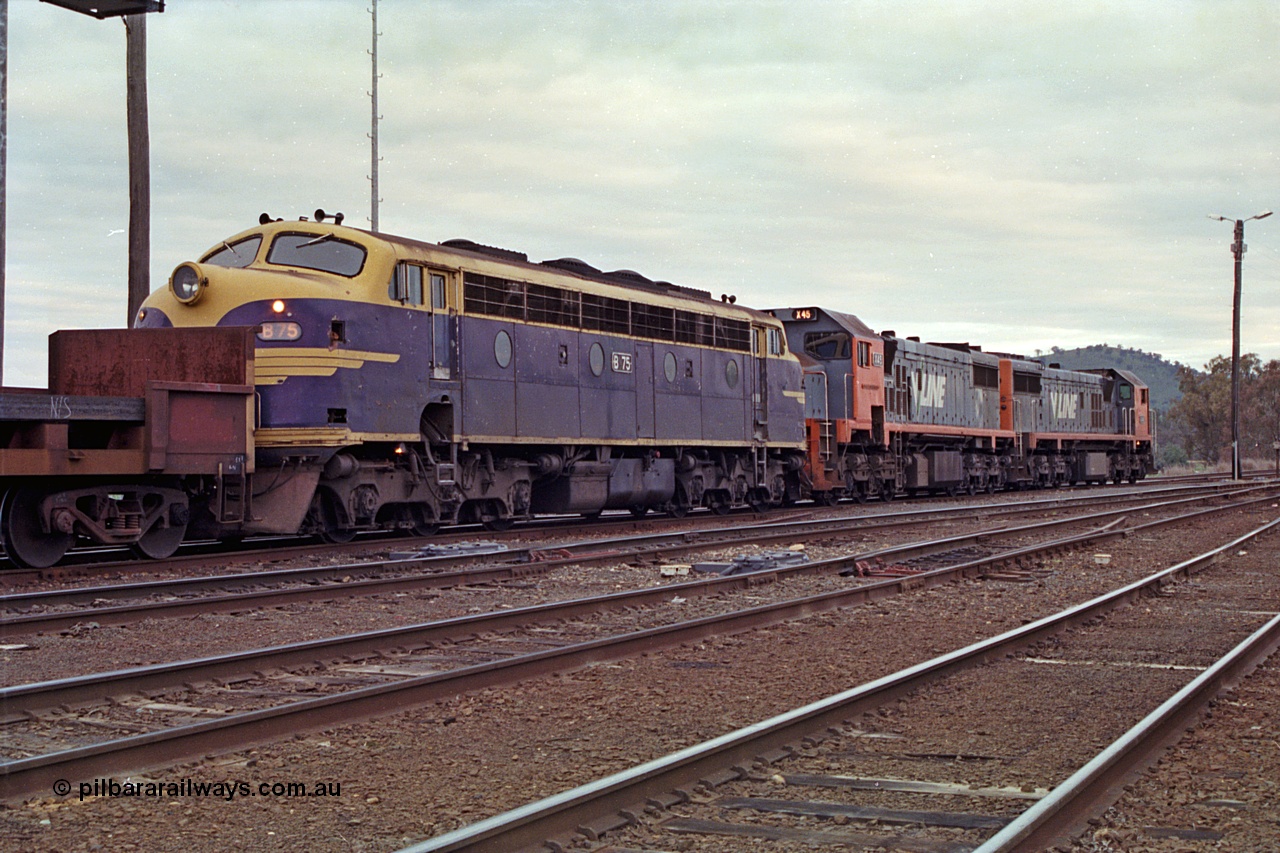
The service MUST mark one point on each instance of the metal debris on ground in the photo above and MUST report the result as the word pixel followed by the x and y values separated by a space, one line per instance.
pixel 746 563
pixel 874 568
pixel 455 549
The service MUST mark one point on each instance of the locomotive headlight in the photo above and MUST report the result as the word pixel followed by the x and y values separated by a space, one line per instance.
pixel 187 283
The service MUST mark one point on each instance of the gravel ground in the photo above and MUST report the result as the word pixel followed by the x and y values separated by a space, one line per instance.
pixel 388 783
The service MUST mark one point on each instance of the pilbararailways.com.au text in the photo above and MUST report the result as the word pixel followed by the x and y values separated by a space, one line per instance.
pixel 227 790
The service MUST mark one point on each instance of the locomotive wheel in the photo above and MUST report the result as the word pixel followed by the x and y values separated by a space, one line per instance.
pixel 718 503
pixel 679 506
pixel 159 543
pixel 25 542
pixel 638 510
pixel 325 518
pixel 496 521
pixel 422 522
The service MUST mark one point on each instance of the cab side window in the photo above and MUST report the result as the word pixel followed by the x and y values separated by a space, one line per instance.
pixel 406 284
pixel 437 291
pixel 864 354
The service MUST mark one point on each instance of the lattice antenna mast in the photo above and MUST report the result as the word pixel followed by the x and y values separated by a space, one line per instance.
pixel 373 133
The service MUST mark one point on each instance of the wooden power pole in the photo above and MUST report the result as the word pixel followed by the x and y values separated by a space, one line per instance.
pixel 139 164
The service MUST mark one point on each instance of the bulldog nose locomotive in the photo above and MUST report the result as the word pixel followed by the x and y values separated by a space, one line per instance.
pixel 307 377
pixel 409 384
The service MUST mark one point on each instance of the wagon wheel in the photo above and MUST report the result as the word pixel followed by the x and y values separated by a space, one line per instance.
pixel 159 542
pixel 24 539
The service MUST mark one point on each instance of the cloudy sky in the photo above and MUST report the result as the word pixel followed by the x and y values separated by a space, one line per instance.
pixel 1018 174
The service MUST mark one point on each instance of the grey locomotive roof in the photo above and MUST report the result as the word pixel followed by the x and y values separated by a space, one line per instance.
pixel 1130 377
pixel 625 278
pixel 852 324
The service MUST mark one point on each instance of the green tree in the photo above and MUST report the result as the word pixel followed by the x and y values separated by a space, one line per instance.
pixel 1260 413
pixel 1201 420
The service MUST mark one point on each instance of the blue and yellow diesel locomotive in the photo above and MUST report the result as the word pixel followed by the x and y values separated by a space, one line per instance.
pixel 403 384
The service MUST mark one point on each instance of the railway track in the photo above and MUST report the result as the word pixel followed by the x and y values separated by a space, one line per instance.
pixel 97 562
pixel 842 771
pixel 240 705
pixel 34 612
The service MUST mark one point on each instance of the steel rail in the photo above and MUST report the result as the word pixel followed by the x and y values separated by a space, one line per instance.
pixel 30 775
pixel 572 553
pixel 21 701
pixel 615 800
pixel 316 574
pixel 1065 810
pixel 203 552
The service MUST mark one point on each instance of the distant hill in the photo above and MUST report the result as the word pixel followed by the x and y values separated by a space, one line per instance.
pixel 1161 376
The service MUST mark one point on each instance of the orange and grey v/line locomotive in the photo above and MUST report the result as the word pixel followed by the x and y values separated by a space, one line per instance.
pixel 308 377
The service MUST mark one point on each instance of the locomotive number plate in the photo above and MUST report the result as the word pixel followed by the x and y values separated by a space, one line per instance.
pixel 279 332
pixel 621 362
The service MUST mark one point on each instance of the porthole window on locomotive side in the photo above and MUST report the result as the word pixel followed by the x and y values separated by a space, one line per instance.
pixel 669 367
pixel 731 373
pixel 502 348
pixel 596 358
